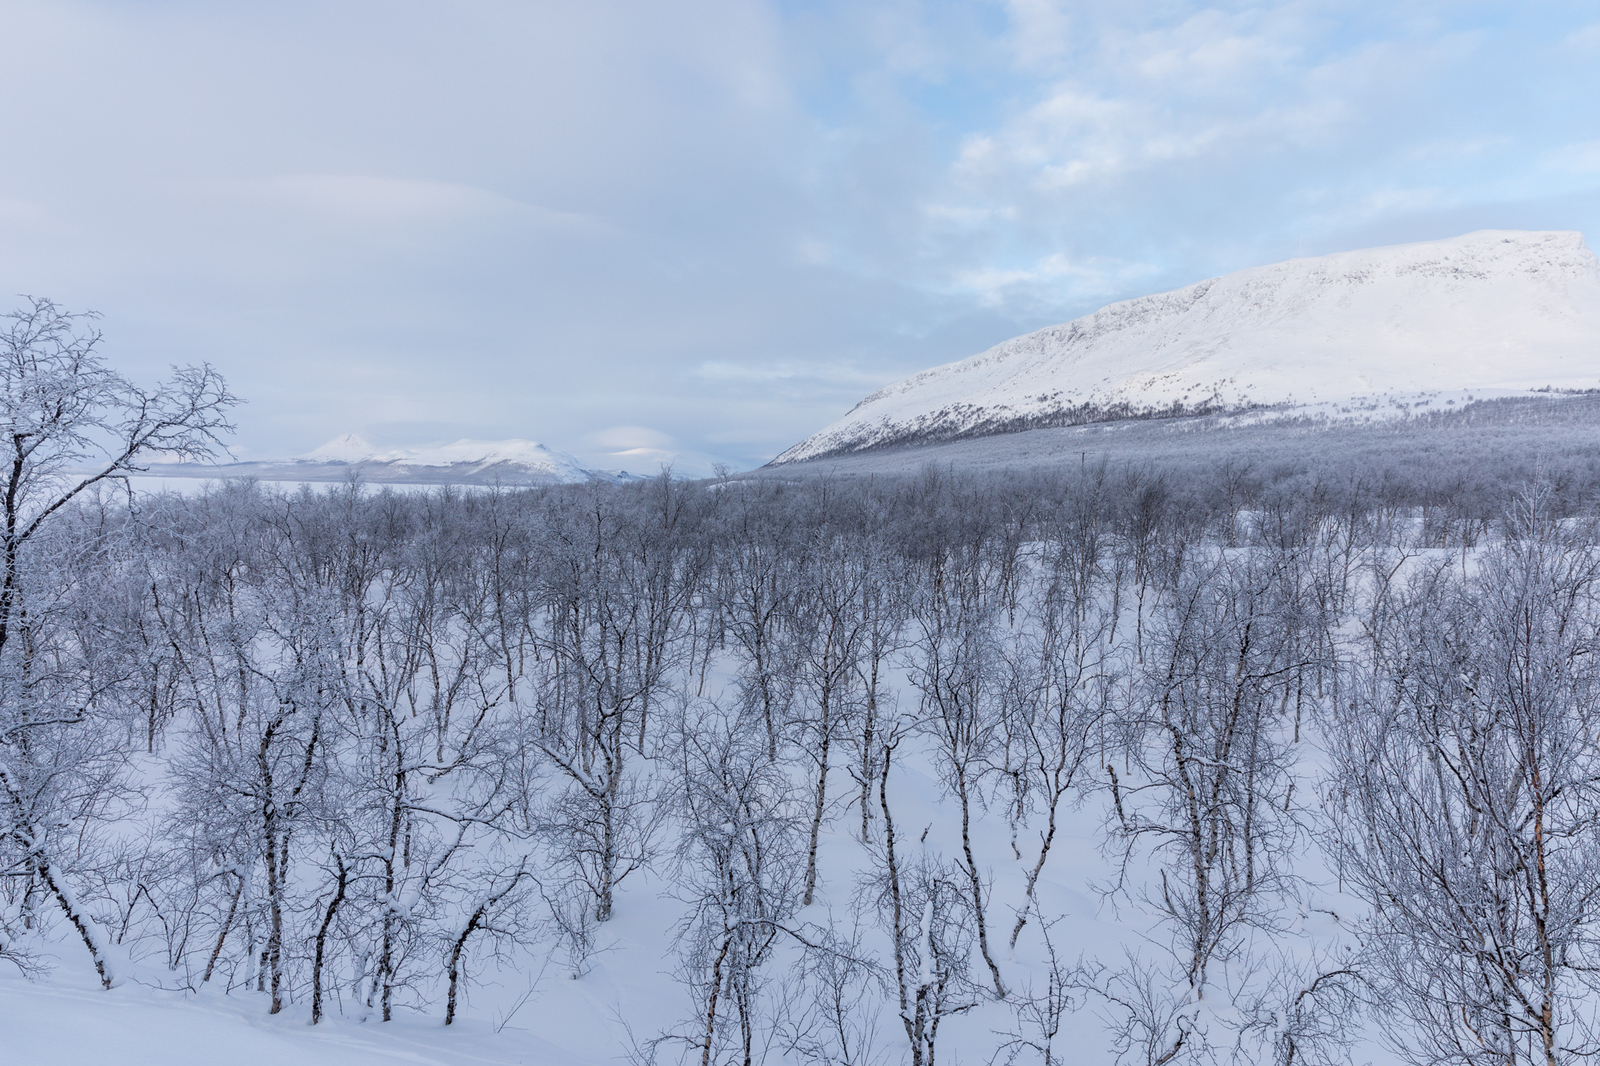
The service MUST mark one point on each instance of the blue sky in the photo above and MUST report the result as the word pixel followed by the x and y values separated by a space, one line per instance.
pixel 643 231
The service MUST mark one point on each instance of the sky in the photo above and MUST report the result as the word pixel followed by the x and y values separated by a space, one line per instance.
pixel 696 232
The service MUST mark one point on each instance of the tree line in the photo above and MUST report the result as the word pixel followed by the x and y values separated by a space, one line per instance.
pixel 344 749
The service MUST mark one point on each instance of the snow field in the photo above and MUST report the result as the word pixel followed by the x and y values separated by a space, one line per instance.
pixel 526 1007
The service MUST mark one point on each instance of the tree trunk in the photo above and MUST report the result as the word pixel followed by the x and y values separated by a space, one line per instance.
pixel 75 915
pixel 322 940
pixel 455 963
pixel 227 924
pixel 822 794
pixel 711 1003
pixel 977 882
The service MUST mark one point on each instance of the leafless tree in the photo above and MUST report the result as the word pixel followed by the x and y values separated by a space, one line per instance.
pixel 834 1019
pixel 70 423
pixel 885 605
pixel 491 911
pixel 741 874
pixel 829 630
pixel 1468 784
pixel 956 670
pixel 924 906
pixel 1041 1013
pixel 603 666
pixel 1208 749
pixel 760 558
pixel 1058 683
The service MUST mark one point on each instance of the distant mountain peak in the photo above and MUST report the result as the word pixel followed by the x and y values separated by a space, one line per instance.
pixel 347 448
pixel 462 462
pixel 1495 309
pixel 464 456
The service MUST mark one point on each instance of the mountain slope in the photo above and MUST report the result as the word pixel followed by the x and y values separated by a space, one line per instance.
pixel 1493 310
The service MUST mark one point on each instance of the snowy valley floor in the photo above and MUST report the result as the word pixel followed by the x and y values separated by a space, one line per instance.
pixel 1099 681
pixel 529 1010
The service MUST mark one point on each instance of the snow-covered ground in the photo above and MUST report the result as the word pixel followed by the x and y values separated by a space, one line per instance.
pixel 529 1008
pixel 626 998
pixel 71 1023
pixel 1507 311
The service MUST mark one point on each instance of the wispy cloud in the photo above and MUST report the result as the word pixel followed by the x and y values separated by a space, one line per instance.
pixel 765 373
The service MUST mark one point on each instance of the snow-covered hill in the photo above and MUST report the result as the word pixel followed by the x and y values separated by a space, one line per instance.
pixel 1497 312
pixel 465 462
pixel 465 456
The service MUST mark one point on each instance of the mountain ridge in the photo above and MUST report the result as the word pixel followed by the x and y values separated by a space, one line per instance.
pixel 514 462
pixel 1497 310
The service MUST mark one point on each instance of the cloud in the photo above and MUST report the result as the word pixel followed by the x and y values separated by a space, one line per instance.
pixel 1585 38
pixel 380 199
pixel 1146 98
pixel 707 230
pixel 627 438
pixel 767 373
pixel 1582 159
pixel 994 285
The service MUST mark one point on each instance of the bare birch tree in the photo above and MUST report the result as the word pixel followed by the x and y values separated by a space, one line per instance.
pixel 1470 786
pixel 70 423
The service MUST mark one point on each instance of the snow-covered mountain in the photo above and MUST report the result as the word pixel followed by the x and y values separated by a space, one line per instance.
pixel 464 462
pixel 467 457
pixel 1497 312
